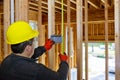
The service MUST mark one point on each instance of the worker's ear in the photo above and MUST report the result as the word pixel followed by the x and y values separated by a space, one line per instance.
pixel 28 48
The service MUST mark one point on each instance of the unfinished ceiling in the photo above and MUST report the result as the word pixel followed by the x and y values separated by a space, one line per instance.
pixel 95 7
pixel 92 4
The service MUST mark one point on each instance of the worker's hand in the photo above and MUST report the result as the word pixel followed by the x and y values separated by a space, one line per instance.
pixel 48 44
pixel 63 57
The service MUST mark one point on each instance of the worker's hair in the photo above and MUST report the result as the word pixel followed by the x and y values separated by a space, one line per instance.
pixel 19 48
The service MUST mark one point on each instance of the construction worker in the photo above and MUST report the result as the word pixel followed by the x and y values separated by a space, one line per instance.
pixel 21 63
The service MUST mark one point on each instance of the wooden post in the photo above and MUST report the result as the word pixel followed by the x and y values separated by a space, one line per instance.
pixel 41 29
pixel 0 39
pixel 79 40
pixel 106 39
pixel 86 40
pixel 41 41
pixel 6 24
pixel 68 25
pixel 51 30
pixel 21 10
pixel 75 46
pixel 57 47
pixel 117 39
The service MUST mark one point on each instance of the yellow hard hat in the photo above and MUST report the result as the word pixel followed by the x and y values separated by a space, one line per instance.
pixel 20 31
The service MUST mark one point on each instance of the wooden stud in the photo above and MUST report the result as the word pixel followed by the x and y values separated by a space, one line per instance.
pixel 57 47
pixel 41 41
pixel 6 24
pixel 51 30
pixel 97 27
pixel 86 40
pixel 0 39
pixel 75 46
pixel 41 29
pixel 106 39
pixel 68 44
pixel 79 39
pixel 117 39
pixel 21 10
pixel 57 1
pixel 93 30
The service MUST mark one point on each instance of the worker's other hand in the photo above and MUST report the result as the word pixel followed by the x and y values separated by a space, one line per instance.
pixel 48 44
pixel 63 57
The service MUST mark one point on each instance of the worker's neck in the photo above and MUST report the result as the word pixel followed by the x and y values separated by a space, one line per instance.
pixel 24 55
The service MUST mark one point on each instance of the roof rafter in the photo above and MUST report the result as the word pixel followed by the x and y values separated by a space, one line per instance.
pixel 65 4
pixel 103 2
pixel 94 3
pixel 73 1
pixel 34 4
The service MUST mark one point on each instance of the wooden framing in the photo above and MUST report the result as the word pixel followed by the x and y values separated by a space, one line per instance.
pixel 68 25
pixel 6 24
pixel 98 16
pixel 41 41
pixel 21 10
pixel 86 40
pixel 94 4
pixel 41 29
pixel 106 39
pixel 21 13
pixel 0 39
pixel 117 39
pixel 51 30
pixel 79 39
pixel 57 1
pixel 57 27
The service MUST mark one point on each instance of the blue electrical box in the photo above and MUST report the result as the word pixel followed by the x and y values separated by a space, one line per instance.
pixel 56 38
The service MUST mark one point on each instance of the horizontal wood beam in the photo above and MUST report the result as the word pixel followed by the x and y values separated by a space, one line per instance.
pixel 36 9
pixel 34 4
